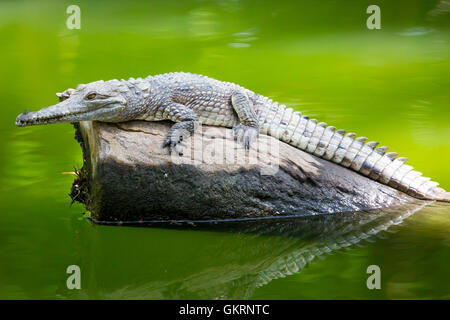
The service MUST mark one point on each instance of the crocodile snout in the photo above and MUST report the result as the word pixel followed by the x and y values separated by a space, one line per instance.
pixel 24 118
pixel 28 118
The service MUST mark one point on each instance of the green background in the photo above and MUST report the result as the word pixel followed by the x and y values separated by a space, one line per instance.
pixel 318 57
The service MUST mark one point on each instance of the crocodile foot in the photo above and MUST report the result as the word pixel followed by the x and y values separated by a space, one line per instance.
pixel 179 132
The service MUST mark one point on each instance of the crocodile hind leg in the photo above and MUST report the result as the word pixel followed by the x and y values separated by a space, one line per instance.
pixel 186 120
pixel 248 129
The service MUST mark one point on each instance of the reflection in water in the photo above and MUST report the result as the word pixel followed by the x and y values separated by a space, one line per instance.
pixel 415 31
pixel 442 8
pixel 421 121
pixel 69 43
pixel 25 165
pixel 243 39
pixel 260 252
pixel 203 23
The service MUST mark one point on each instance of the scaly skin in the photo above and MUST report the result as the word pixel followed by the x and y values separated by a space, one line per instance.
pixel 189 99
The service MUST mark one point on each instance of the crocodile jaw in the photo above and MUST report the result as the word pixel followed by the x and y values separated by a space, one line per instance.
pixel 62 112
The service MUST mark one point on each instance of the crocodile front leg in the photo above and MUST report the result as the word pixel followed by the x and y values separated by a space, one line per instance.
pixel 186 120
pixel 248 129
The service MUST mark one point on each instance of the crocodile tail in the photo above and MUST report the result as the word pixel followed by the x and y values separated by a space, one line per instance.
pixel 442 195
pixel 347 150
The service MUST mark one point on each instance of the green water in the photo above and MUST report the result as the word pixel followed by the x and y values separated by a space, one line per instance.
pixel 391 85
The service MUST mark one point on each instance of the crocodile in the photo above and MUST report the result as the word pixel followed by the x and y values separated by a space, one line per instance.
pixel 191 99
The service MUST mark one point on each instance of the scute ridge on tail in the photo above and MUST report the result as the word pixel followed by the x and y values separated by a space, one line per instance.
pixel 349 151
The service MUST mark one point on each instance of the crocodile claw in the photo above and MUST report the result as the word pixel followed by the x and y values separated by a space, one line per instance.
pixel 244 134
pixel 172 143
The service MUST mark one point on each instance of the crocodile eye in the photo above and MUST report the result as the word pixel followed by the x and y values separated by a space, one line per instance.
pixel 91 96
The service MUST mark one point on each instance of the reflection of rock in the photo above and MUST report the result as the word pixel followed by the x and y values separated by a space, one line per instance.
pixel 246 256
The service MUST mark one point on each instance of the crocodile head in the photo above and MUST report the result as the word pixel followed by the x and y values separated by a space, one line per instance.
pixel 101 101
